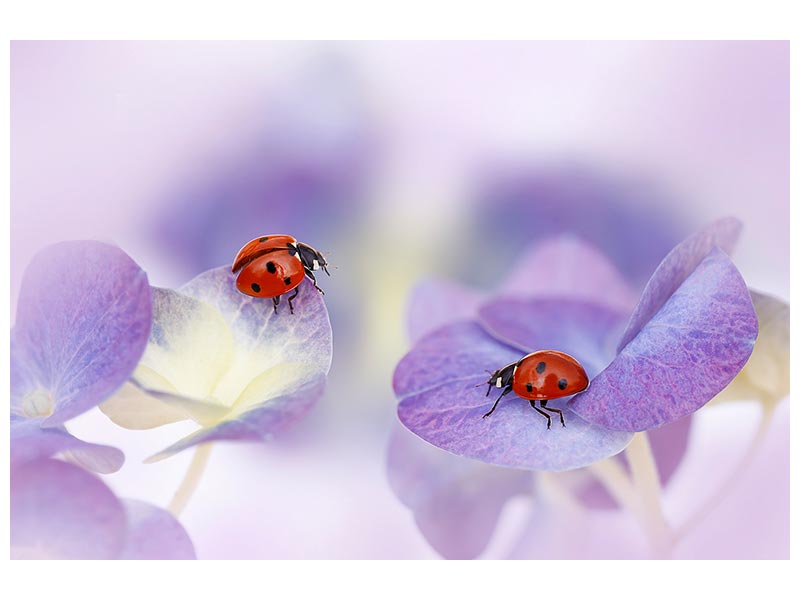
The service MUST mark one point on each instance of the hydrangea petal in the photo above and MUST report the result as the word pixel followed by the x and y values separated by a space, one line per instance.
pixel 675 268
pixel 190 347
pixel 60 511
pixel 134 408
pixel 566 266
pixel 30 441
pixel 584 330
pixel 456 501
pixel 691 349
pixel 262 337
pixel 436 382
pixel 82 323
pixel 434 303
pixel 260 423
pixel 154 534
pixel 765 377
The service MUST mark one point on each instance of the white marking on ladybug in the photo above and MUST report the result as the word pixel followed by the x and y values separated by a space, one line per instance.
pixel 499 382
pixel 315 267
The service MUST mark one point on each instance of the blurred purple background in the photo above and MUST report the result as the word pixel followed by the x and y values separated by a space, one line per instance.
pixel 401 160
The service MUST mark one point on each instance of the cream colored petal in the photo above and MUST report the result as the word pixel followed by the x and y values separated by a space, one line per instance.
pixel 190 347
pixel 132 408
pixel 765 377
pixel 272 383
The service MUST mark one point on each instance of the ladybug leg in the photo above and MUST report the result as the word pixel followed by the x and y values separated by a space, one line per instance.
pixel 292 297
pixel 313 279
pixel 275 301
pixel 505 391
pixel 541 412
pixel 543 404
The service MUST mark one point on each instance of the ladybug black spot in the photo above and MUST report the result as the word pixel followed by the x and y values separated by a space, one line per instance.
pixel 263 239
pixel 529 387
pixel 541 367
pixel 256 287
pixel 271 267
pixel 287 280
pixel 562 384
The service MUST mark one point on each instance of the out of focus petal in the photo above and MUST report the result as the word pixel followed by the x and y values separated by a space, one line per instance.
pixel 30 441
pixel 568 267
pixel 60 511
pixel 456 501
pixel 154 534
pixel 82 323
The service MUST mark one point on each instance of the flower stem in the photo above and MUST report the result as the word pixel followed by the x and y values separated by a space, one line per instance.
pixel 191 480
pixel 639 494
pixel 644 474
pixel 707 507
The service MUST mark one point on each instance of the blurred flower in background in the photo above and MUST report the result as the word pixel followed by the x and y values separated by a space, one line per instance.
pixel 403 165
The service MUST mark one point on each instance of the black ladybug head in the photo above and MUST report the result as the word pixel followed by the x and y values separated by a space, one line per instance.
pixel 311 259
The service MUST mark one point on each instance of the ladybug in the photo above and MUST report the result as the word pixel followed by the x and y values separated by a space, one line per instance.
pixel 273 265
pixel 538 377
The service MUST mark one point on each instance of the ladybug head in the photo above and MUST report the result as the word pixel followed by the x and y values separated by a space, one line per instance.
pixel 311 259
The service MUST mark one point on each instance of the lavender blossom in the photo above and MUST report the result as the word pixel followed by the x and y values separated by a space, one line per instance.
pixel 82 323
pixel 227 361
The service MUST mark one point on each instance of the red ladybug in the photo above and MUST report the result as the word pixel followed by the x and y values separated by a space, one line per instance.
pixel 272 265
pixel 538 377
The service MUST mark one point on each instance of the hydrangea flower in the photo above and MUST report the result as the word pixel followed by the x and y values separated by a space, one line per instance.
pixel 564 295
pixel 227 361
pixel 692 331
pixel 82 323
pixel 60 511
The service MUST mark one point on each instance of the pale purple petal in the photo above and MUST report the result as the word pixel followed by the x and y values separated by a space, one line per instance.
pixel 82 323
pixel 581 329
pixel 456 501
pixel 30 441
pixel 59 510
pixel 154 534
pixel 304 336
pixel 439 401
pixel 691 349
pixel 568 267
pixel 257 424
pixel 676 267
pixel 434 303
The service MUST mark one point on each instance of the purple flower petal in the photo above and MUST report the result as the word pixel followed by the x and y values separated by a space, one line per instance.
pixel 583 330
pixel 434 303
pixel 456 501
pixel 258 424
pixel 154 534
pixel 691 349
pixel 30 441
pixel 439 401
pixel 59 510
pixel 675 268
pixel 82 323
pixel 567 267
